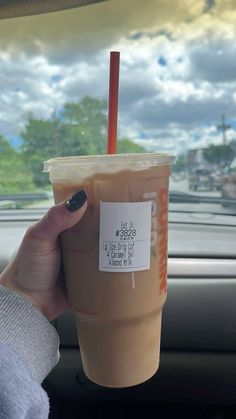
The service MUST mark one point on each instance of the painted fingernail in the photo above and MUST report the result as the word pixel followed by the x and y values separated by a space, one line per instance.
pixel 76 201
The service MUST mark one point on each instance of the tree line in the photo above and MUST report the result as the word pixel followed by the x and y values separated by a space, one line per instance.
pixel 79 129
pixel 220 156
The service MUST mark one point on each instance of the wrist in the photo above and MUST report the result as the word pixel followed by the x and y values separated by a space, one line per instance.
pixel 27 332
pixel 7 280
pixel 51 301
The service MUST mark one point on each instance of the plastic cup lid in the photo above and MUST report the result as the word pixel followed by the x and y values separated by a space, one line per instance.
pixel 68 168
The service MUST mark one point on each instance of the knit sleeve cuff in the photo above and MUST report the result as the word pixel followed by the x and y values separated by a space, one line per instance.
pixel 28 332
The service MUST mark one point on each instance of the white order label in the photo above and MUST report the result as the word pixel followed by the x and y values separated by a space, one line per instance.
pixel 125 236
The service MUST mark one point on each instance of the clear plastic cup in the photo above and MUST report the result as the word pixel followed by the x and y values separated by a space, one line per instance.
pixel 115 261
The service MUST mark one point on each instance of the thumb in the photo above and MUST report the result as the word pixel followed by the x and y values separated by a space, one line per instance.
pixel 61 217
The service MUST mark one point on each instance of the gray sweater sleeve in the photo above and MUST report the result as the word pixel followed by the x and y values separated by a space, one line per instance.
pixel 29 349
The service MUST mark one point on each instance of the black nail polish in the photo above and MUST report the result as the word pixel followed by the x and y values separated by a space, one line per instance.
pixel 76 201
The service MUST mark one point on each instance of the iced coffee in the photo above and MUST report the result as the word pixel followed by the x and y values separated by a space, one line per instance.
pixel 115 261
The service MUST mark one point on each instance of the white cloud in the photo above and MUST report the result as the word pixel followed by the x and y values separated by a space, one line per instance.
pixel 176 140
pixel 177 71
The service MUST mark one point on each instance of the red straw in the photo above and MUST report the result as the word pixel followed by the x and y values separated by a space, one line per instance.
pixel 113 101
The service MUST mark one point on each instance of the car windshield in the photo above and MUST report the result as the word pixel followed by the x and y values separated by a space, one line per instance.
pixel 177 95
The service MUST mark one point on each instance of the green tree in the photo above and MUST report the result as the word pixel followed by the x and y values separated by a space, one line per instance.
pixel 218 154
pixel 232 145
pixel 89 121
pixel 128 146
pixel 181 163
pixel 14 177
pixel 80 129
pixel 5 147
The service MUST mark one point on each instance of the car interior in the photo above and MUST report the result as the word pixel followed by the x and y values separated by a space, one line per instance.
pixel 197 373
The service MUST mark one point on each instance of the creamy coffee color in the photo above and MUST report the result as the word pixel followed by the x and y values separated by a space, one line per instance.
pixel 118 314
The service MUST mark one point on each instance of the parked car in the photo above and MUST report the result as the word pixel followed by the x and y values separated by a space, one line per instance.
pixel 217 180
pixel 228 190
pixel 200 178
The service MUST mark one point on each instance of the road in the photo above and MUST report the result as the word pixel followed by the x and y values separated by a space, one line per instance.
pixel 181 185
pixel 177 183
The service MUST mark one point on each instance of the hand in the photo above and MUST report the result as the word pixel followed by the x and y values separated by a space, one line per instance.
pixel 36 271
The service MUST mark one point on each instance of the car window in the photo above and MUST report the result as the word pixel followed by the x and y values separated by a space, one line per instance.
pixel 177 95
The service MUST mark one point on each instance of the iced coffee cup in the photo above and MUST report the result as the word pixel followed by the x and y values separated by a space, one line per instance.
pixel 115 261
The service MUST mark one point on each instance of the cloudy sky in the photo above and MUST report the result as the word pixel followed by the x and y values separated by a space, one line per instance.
pixel 177 76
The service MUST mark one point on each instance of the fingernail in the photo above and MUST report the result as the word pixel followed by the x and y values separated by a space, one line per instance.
pixel 76 201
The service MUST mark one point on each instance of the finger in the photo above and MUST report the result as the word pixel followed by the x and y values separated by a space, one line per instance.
pixel 60 217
